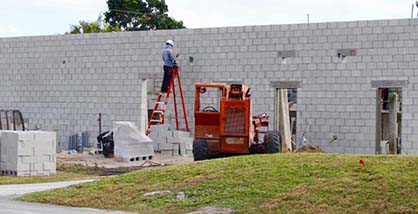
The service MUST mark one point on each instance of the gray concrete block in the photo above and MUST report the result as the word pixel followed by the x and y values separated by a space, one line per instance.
pixel 25 153
pixel 130 143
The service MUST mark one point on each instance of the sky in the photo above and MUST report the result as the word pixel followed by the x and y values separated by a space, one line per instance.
pixel 51 17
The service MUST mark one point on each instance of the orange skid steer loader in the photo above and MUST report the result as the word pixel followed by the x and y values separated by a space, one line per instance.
pixel 224 125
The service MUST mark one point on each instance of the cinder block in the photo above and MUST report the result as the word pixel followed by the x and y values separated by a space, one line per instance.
pixel 186 145
pixel 45 143
pixel 23 153
pixel 130 143
pixel 170 137
pixel 162 140
pixel 166 133
pixel 183 134
pixel 175 134
pixel 49 167
pixel 174 148
pixel 165 147
pixel 24 166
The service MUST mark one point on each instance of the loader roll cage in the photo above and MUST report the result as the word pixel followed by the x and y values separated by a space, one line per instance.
pixel 224 124
pixel 222 117
pixel 228 92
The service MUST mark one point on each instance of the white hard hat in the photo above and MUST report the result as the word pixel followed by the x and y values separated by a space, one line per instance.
pixel 170 42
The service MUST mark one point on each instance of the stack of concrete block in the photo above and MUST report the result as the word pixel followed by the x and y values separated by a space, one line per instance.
pixel 167 139
pixel 130 143
pixel 30 153
pixel 159 135
pixel 185 141
pixel 155 135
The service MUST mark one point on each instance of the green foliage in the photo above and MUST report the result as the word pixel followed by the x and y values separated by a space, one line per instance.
pixel 134 15
pixel 279 183
pixel 97 26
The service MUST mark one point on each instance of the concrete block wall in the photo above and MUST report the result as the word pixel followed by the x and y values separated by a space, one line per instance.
pixel 62 82
pixel 31 153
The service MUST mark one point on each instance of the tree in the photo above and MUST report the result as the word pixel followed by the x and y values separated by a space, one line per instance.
pixel 97 26
pixel 134 15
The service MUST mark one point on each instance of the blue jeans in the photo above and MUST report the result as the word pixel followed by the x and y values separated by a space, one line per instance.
pixel 166 79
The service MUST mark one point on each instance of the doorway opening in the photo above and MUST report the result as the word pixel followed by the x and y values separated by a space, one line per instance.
pixel 388 121
pixel 286 116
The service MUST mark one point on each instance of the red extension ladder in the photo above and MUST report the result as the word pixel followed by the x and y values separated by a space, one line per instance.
pixel 157 116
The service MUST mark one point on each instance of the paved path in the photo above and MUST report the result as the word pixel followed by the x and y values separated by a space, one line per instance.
pixel 9 206
pixel 16 207
pixel 21 189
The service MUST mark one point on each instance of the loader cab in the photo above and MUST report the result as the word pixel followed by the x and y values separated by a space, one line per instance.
pixel 207 113
pixel 222 117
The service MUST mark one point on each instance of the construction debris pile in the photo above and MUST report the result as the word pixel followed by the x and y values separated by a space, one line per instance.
pixel 308 149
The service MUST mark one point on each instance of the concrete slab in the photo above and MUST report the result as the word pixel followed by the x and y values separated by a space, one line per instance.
pixel 21 189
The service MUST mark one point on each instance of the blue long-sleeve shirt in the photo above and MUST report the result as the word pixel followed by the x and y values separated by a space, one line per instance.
pixel 168 56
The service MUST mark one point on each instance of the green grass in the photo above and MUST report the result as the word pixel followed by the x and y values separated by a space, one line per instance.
pixel 282 183
pixel 64 173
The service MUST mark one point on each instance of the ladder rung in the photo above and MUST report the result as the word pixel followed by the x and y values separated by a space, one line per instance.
pixel 161 102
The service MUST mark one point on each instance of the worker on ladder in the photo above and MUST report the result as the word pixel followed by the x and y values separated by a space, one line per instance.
pixel 169 61
pixel 171 73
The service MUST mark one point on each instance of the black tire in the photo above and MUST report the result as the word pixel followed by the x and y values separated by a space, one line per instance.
pixel 256 149
pixel 108 150
pixel 272 141
pixel 200 150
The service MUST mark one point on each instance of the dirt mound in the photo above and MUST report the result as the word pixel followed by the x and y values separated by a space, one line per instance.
pixel 98 160
pixel 309 149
